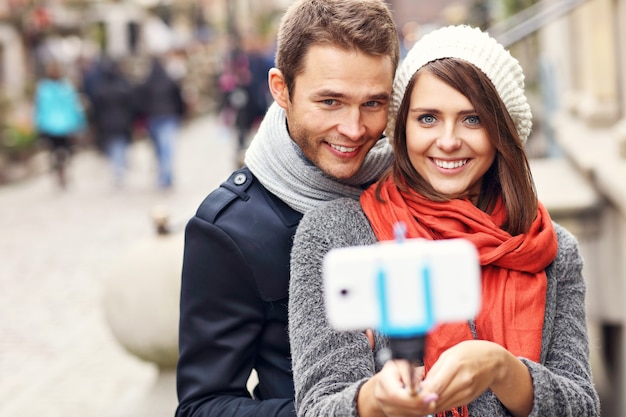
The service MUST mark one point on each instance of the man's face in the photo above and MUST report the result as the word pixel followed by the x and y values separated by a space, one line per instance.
pixel 338 110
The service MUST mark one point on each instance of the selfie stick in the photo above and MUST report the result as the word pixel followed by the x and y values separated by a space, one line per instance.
pixel 406 343
pixel 402 289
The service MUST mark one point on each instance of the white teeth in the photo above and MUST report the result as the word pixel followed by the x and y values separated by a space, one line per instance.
pixel 450 164
pixel 343 148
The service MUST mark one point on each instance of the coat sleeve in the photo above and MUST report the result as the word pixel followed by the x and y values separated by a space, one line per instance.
pixel 563 385
pixel 329 367
pixel 220 322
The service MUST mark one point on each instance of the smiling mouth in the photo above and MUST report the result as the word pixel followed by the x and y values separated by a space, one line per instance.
pixel 450 164
pixel 344 149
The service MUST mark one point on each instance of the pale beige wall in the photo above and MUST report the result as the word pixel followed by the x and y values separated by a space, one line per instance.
pixel 621 51
pixel 594 45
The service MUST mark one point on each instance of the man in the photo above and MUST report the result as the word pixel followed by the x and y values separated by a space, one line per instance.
pixel 320 139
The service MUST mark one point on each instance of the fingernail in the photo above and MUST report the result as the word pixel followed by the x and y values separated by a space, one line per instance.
pixel 429 398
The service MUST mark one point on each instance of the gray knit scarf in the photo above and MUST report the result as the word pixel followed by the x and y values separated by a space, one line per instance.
pixel 280 165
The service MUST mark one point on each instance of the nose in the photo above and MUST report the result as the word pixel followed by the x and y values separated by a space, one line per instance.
pixel 351 125
pixel 449 141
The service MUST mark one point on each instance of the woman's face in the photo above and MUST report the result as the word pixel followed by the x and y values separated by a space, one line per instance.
pixel 446 142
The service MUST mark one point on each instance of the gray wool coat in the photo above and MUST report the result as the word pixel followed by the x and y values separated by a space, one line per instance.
pixel 329 366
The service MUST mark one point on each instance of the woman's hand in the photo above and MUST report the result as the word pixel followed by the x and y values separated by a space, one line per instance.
pixel 461 374
pixel 388 393
pixel 468 369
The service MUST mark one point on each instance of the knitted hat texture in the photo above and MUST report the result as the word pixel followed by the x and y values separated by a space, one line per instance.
pixel 481 50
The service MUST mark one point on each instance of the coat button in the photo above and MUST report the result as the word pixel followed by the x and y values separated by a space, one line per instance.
pixel 240 179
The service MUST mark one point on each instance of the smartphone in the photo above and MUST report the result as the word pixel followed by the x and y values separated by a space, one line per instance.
pixel 402 288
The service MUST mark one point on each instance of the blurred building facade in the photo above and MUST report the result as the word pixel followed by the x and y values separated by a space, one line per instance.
pixel 72 29
pixel 584 53
pixel 195 36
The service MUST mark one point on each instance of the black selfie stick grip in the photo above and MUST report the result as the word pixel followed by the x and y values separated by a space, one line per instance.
pixel 410 348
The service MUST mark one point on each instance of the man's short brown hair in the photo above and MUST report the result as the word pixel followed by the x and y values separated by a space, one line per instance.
pixel 362 25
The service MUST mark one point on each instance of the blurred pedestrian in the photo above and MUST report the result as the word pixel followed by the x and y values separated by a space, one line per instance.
pixel 257 65
pixel 113 114
pixel 90 72
pixel 246 95
pixel 234 75
pixel 160 101
pixel 59 117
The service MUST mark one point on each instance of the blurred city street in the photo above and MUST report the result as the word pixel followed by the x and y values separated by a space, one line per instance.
pixel 58 356
pixel 60 350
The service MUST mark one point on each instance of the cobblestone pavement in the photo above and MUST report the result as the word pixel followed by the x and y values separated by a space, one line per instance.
pixel 58 356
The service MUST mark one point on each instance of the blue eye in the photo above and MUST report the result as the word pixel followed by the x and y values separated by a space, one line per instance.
pixel 473 120
pixel 427 118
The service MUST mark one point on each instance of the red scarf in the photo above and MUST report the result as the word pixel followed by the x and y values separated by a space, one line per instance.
pixel 513 267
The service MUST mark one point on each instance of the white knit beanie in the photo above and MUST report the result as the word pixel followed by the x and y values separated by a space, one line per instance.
pixel 481 50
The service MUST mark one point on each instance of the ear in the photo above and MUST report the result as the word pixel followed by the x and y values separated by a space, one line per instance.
pixel 278 88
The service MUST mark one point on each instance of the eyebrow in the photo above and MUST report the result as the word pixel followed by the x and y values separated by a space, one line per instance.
pixel 422 110
pixel 437 111
pixel 335 94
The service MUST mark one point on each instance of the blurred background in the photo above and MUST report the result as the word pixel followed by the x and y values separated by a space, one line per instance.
pixel 90 266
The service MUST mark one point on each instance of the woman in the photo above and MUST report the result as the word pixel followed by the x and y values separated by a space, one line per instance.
pixel 459 119
pixel 59 116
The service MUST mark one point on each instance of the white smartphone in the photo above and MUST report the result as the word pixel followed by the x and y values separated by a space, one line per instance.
pixel 402 288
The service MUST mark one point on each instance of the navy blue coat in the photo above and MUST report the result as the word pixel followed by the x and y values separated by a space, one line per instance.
pixel 233 307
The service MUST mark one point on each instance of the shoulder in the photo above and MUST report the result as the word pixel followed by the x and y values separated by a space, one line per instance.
pixel 568 264
pixel 568 245
pixel 257 226
pixel 44 85
pixel 236 188
pixel 243 199
pixel 567 241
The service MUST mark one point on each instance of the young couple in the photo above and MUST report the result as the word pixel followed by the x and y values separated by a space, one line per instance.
pixel 457 118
